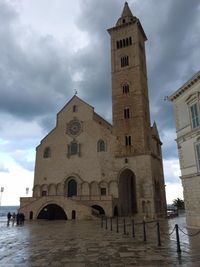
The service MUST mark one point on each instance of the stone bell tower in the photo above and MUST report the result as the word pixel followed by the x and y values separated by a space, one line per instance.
pixel 130 102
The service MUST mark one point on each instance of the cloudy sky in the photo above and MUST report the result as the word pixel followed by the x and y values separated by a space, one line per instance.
pixel 49 49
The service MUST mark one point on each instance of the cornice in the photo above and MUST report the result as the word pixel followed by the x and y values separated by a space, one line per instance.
pixel 185 87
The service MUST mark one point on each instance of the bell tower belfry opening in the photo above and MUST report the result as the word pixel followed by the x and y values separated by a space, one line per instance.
pixel 130 103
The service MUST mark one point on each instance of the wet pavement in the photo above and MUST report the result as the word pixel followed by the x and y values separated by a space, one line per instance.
pixel 87 244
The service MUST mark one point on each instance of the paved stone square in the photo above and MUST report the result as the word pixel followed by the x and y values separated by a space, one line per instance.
pixel 86 244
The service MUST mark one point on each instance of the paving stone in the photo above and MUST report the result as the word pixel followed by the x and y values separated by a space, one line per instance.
pixel 85 244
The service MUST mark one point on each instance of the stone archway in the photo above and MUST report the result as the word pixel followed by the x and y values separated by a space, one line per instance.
pixel 99 209
pixel 52 212
pixel 127 193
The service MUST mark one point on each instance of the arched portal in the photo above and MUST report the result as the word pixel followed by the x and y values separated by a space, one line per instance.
pixel 127 193
pixel 116 211
pixel 72 188
pixel 30 215
pixel 99 209
pixel 52 212
pixel 73 214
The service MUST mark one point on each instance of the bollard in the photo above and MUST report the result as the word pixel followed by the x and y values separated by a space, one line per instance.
pixel 144 231
pixel 101 221
pixel 106 224
pixel 117 225
pixel 124 227
pixel 133 228
pixel 110 223
pixel 158 233
pixel 177 239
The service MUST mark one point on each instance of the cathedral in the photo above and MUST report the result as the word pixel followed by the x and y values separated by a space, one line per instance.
pixel 85 166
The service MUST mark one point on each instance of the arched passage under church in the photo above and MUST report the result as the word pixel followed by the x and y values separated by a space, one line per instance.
pixel 99 209
pixel 127 193
pixel 52 212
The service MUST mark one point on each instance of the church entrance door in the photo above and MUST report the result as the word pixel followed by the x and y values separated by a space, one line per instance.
pixel 127 193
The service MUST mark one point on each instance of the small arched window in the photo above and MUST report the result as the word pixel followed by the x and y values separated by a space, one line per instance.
pixel 73 148
pixel 75 108
pixel 47 152
pixel 126 113
pixel 101 146
pixel 72 188
pixel 128 140
pixel 124 61
pixel 125 88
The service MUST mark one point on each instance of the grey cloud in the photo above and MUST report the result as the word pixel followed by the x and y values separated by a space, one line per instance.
pixel 169 26
pixel 34 72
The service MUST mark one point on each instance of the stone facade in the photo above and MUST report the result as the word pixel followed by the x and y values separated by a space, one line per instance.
pixel 85 166
pixel 186 105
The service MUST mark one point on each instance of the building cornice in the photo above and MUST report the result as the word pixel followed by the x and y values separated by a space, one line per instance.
pixel 185 87
pixel 190 176
pixel 192 134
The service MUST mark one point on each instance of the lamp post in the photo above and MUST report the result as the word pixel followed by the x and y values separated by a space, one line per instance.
pixel 2 189
pixel 27 190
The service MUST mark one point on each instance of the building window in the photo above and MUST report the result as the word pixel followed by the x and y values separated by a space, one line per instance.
pixel 101 146
pixel 103 191
pixel 198 155
pixel 44 193
pixel 124 61
pixel 126 113
pixel 47 153
pixel 125 88
pixel 73 148
pixel 72 188
pixel 124 42
pixel 128 140
pixel 75 108
pixel 195 115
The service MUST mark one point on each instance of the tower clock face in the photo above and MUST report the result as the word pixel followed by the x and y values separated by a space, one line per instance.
pixel 74 127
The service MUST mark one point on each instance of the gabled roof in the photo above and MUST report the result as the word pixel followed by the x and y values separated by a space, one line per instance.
pixel 79 99
pixel 154 131
pixel 185 87
pixel 85 103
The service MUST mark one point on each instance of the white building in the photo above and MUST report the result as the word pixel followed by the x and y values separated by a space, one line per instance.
pixel 186 105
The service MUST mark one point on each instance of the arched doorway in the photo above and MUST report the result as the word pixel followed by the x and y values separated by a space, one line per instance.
pixel 127 193
pixel 116 211
pixel 99 209
pixel 72 188
pixel 30 215
pixel 73 214
pixel 52 212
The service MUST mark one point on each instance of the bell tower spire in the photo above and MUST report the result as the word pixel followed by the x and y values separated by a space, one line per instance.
pixel 130 102
pixel 126 15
